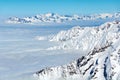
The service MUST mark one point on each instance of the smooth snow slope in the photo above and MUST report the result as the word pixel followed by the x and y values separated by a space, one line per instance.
pixel 102 61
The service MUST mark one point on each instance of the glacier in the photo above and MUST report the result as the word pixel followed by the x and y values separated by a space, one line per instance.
pixel 102 60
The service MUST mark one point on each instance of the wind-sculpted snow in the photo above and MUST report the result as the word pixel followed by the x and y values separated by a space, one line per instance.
pixel 102 61
pixel 55 18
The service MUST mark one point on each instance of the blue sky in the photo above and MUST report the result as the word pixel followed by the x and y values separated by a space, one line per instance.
pixel 33 7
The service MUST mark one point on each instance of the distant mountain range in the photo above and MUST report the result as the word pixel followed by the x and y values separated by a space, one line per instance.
pixel 56 18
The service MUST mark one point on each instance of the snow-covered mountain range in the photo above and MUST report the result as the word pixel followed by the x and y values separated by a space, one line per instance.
pixel 102 59
pixel 56 18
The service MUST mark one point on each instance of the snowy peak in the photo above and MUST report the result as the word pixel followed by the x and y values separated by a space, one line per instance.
pixel 101 62
pixel 56 18
pixel 84 38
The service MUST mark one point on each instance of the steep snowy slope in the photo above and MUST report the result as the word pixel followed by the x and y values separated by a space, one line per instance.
pixel 84 38
pixel 55 18
pixel 102 61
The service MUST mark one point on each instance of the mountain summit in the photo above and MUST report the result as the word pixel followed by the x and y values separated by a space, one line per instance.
pixel 102 61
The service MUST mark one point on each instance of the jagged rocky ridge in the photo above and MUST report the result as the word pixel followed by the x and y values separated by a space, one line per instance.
pixel 102 61
pixel 84 38
pixel 56 18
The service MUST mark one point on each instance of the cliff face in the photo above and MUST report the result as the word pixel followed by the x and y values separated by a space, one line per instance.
pixel 102 61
